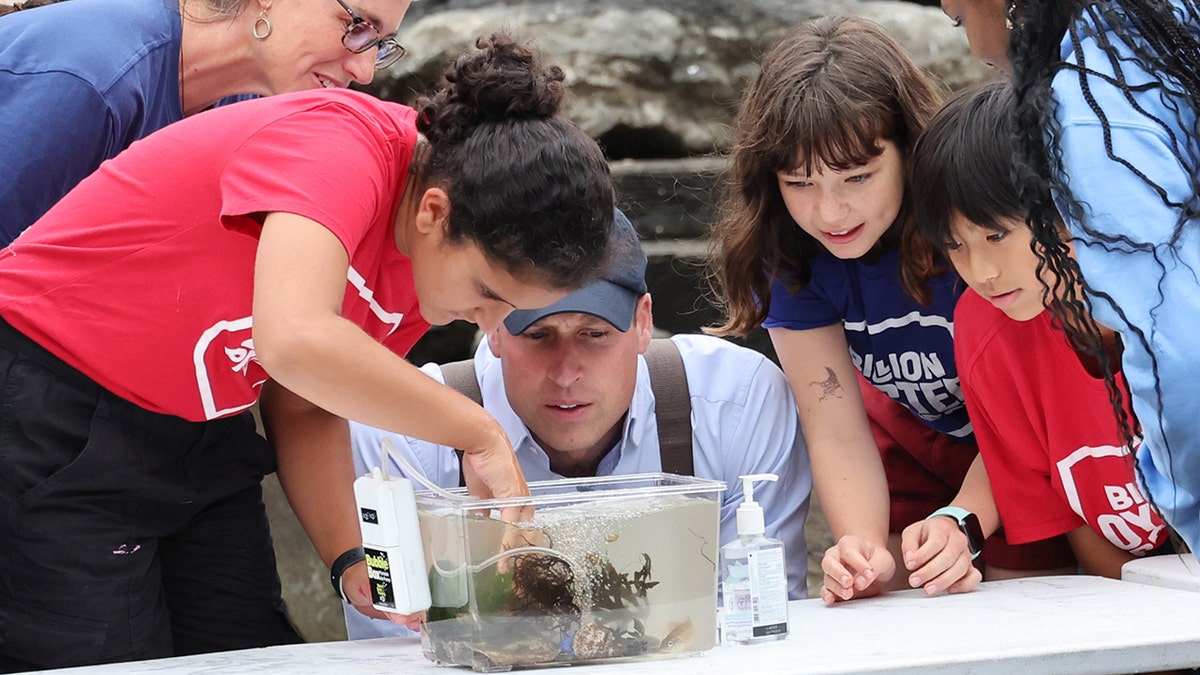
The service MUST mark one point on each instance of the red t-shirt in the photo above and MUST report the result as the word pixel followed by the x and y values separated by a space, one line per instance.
pixel 1047 432
pixel 142 277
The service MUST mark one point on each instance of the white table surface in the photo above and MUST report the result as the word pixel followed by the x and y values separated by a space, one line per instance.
pixel 1053 625
pixel 1173 571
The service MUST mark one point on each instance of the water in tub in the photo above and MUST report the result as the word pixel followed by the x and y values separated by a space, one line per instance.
pixel 636 577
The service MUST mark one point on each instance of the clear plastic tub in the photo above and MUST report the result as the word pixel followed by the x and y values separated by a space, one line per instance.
pixel 616 567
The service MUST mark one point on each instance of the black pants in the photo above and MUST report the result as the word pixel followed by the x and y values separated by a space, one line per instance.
pixel 125 534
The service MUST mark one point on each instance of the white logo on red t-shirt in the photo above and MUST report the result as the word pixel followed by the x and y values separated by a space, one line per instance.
pixel 227 348
pixel 360 284
pixel 1121 512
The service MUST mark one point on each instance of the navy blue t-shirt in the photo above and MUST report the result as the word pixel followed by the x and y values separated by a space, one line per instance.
pixel 79 82
pixel 904 349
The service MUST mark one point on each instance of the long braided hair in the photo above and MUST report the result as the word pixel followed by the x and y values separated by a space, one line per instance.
pixel 1156 33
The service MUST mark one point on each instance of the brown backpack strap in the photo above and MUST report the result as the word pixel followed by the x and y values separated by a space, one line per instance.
pixel 460 376
pixel 672 406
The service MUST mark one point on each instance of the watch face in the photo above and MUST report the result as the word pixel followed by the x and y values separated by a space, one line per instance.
pixel 971 528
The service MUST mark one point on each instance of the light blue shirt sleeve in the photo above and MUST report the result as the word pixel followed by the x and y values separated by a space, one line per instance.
pixel 744 421
pixel 1152 293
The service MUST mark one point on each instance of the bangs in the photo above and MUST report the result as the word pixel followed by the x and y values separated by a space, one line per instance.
pixel 964 164
pixel 827 129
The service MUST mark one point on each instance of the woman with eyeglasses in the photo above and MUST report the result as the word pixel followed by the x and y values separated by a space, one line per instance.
pixel 294 247
pixel 81 80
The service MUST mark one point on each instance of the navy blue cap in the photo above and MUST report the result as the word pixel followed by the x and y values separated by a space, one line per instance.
pixel 613 297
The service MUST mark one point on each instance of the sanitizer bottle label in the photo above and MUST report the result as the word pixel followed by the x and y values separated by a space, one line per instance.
pixel 768 592
pixel 737 606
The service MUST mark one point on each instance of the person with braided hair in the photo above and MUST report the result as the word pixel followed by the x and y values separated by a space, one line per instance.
pixel 1051 446
pixel 293 246
pixel 1107 94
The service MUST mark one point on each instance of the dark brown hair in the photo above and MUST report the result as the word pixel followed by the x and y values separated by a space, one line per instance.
pixel 827 93
pixel 963 164
pixel 525 183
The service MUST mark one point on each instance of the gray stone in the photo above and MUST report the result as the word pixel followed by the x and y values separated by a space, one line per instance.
pixel 656 79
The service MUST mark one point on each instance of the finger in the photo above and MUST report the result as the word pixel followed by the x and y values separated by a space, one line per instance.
pixel 516 536
pixel 860 566
pixel 827 596
pixel 522 513
pixel 913 545
pixel 968 582
pixel 494 472
pixel 931 566
pixel 843 591
pixel 836 591
pixel 939 538
pixel 959 570
pixel 410 621
pixel 940 563
pixel 852 553
pixel 835 571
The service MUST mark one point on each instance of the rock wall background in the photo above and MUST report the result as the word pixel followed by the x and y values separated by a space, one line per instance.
pixel 661 79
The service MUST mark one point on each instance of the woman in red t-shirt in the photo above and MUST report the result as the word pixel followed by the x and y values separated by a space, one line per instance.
pixel 294 246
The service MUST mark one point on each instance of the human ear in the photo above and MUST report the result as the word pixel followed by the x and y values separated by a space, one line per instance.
pixel 433 212
pixel 643 323
pixel 495 342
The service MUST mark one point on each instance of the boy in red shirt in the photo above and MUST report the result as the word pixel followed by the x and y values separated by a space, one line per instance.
pixel 1047 430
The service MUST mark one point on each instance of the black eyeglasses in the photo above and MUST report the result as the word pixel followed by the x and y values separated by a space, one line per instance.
pixel 361 35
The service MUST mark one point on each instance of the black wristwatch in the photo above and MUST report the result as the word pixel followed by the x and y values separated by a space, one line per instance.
pixel 339 567
pixel 969 524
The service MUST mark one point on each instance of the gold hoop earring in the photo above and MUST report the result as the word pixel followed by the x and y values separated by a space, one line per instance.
pixel 264 21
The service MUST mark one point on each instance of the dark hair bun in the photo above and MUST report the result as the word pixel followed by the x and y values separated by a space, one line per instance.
pixel 503 81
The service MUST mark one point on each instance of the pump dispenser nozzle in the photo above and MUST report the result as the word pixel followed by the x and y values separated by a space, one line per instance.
pixel 750 514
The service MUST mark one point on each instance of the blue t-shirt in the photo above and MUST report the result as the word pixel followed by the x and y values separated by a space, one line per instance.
pixel 903 348
pixel 79 82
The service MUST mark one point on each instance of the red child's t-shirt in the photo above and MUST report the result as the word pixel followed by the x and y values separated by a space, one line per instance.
pixel 1047 432
pixel 142 277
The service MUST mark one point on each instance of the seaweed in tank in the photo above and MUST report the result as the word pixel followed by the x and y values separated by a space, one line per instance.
pixel 614 590
pixel 530 614
pixel 521 615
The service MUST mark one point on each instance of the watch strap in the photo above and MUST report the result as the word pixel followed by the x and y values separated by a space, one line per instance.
pixel 960 516
pixel 955 512
pixel 339 567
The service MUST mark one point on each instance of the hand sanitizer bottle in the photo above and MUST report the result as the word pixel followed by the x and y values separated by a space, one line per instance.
pixel 753 577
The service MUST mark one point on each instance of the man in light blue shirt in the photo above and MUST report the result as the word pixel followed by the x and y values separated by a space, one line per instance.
pixel 570 385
